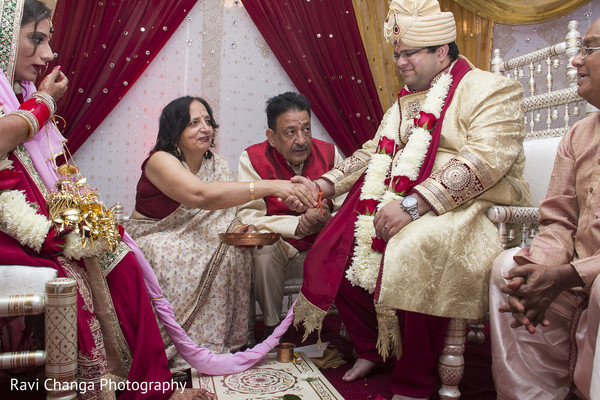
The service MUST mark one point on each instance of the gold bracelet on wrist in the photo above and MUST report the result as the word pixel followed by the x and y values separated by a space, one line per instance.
pixel 31 121
pixel 252 191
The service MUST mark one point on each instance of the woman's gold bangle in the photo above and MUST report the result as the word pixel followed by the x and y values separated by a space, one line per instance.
pixel 252 191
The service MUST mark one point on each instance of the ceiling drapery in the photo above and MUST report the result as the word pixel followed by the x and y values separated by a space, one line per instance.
pixel 521 12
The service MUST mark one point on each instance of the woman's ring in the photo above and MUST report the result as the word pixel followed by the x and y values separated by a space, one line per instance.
pixel 386 227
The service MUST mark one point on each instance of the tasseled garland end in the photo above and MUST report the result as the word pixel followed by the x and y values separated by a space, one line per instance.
pixel 389 338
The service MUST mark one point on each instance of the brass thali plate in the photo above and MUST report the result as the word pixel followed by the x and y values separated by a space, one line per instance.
pixel 249 239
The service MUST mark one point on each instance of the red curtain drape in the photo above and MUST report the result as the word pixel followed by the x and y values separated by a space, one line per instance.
pixel 318 43
pixel 103 47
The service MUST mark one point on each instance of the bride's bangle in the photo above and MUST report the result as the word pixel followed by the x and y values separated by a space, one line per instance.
pixel 36 111
pixel 48 101
pixel 30 119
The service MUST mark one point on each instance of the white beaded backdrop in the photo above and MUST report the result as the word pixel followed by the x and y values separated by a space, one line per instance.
pixel 217 53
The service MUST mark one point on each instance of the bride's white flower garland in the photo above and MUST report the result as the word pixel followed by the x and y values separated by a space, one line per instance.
pixel 375 193
pixel 20 220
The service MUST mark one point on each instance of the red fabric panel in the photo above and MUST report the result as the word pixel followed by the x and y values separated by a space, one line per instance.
pixel 318 44
pixel 103 44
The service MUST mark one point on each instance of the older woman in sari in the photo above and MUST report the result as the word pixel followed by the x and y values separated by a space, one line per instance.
pixel 184 199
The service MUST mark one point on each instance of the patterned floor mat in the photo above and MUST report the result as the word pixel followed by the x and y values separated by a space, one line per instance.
pixel 270 380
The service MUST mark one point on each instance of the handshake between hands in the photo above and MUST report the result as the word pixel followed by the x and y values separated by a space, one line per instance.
pixel 314 214
pixel 309 195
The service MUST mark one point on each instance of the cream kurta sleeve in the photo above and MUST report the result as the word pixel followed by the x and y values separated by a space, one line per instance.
pixel 339 198
pixel 255 212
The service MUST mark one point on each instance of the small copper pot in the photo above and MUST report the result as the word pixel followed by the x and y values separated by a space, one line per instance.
pixel 285 352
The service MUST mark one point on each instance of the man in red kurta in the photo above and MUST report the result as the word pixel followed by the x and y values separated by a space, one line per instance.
pixel 288 151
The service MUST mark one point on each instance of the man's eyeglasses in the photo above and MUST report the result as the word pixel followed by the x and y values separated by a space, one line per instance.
pixel 586 51
pixel 406 53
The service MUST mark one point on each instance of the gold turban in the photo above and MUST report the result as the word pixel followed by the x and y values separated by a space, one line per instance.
pixel 419 23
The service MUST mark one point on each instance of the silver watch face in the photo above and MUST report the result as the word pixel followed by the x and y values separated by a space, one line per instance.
pixel 409 202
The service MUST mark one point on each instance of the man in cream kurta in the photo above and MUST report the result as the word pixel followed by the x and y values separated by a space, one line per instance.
pixel 553 283
pixel 288 151
pixel 436 262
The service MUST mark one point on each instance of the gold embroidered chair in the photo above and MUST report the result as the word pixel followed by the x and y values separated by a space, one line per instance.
pixel 548 117
pixel 35 290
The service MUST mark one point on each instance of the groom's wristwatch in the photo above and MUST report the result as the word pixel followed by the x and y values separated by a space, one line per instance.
pixel 409 204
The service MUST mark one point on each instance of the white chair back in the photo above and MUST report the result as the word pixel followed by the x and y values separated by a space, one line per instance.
pixel 540 155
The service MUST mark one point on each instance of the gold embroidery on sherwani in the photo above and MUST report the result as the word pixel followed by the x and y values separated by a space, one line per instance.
pixel 480 169
pixel 413 109
pixel 459 180
pixel 407 132
pixel 350 165
pixel 438 191
pixel 310 316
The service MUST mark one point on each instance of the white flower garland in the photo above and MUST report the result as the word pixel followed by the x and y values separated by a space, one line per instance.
pixel 5 163
pixel 21 220
pixel 365 261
